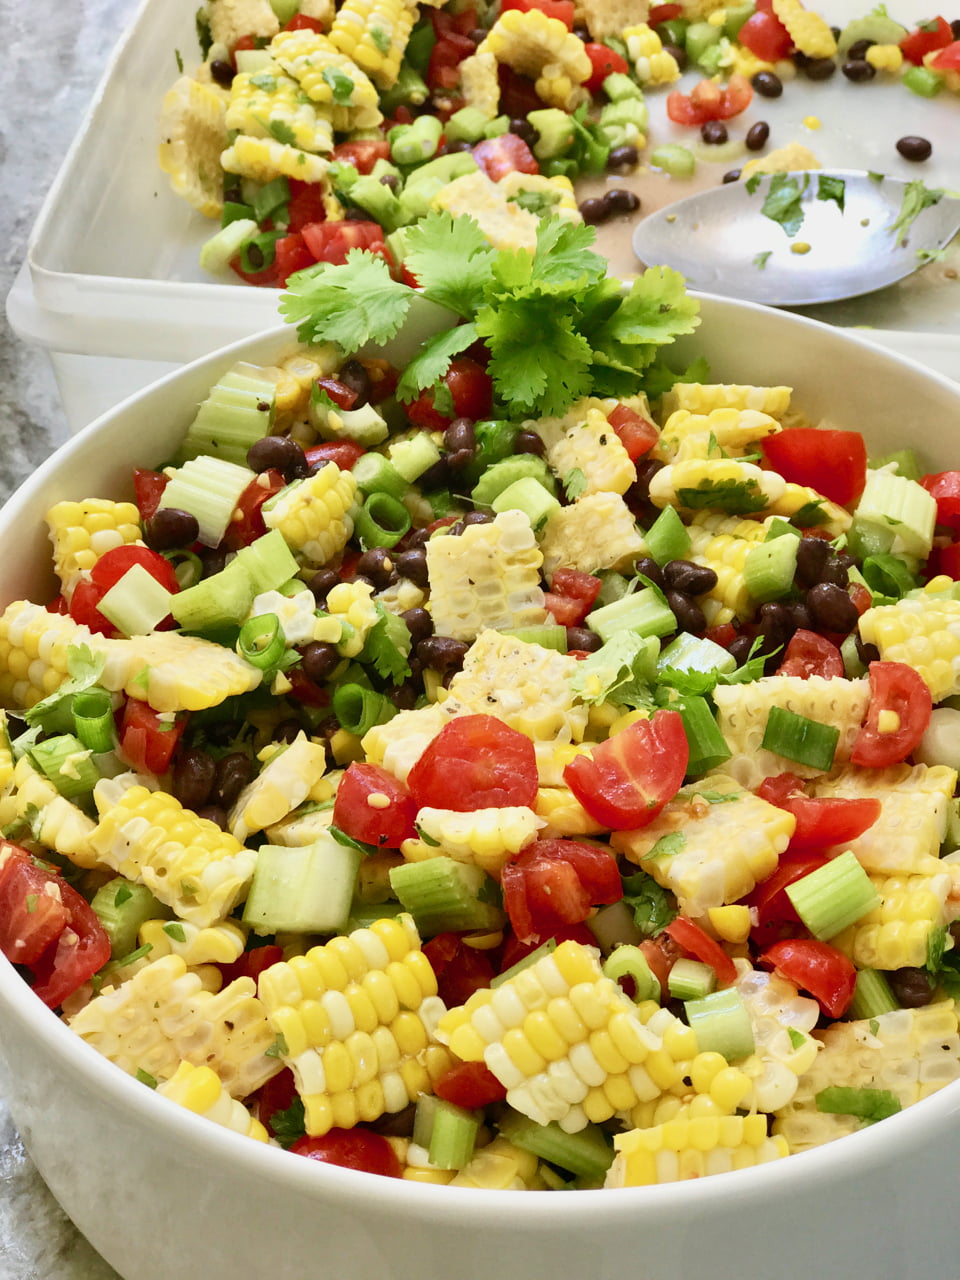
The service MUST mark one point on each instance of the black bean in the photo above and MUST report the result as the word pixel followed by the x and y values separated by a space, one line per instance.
pixel 799 59
pixel 287 730
pixel 476 517
pixel 459 435
pixel 732 175
pixel 714 133
pixel 323 580
pixel 650 569
pixel 232 774
pixel 170 527
pixel 739 649
pixel 858 50
pixel 529 442
pixel 914 148
pixel 625 157
pixel 377 565
pixel 222 72
pixel 913 988
pixel 215 813
pixel 836 32
pixel 955 28
pixel 831 608
pixel 768 84
pixel 404 696
pixel 867 653
pixel 412 564
pixel 594 211
pixel 619 200
pixel 812 555
pixel 687 612
pixel 858 70
pixel 836 569
pixel 757 136
pixel 396 1124
pixel 684 575
pixel 278 453
pixel 419 623
pixel 442 653
pixel 193 774
pixel 319 660
pixel 584 639
pixel 390 180
pixel 462 458
pixel 522 128
pixel 478 35
pixel 800 618
pixel 775 624
pixel 213 560
pixel 436 475
pixel 413 538
pixel 582 33
pixel 819 68
pixel 645 472
pixel 677 54
pixel 355 375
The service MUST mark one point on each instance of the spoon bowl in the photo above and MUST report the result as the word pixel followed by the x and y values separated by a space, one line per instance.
pixel 795 239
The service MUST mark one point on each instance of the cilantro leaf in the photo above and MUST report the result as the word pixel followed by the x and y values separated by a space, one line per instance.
pixel 659 377
pixel 563 253
pixel 381 39
pixel 574 483
pixel 760 261
pixel 667 846
pixel 451 259
pixel 916 197
pixel 783 202
pixel 387 647
pixel 85 669
pixel 869 1105
pixel 282 132
pixel 175 930
pixel 622 670
pixel 652 906
pixel 656 310
pixel 290 1125
pixel 350 304
pixel 539 362
pixel 736 497
pixel 341 84
pixel 433 360
pixel 830 188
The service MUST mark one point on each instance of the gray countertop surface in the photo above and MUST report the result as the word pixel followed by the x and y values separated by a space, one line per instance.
pixel 55 56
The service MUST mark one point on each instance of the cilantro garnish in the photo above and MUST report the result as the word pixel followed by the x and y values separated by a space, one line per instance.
pixel 282 132
pixel 736 497
pixel 797 1038
pixel 429 840
pixel 667 846
pixel 869 1105
pixel 830 188
pixel 622 671
pixel 574 483
pixel 278 1049
pixel 290 1125
pixel 348 842
pixel 175 931
pixel 387 646
pixel 124 894
pixel 652 906
pixel 179 57
pixel 265 81
pixel 783 202
pixel 84 669
pixel 341 84
pixel 381 39
pixel 931 255
pixel 916 197
pixel 146 1078
pixel 760 261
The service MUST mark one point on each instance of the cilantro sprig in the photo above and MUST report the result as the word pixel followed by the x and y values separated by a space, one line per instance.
pixel 555 325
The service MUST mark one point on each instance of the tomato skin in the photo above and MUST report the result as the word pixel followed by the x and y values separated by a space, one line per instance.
pixel 809 654
pixel 343 452
pixel 444 22
pixel 461 969
pixel 24 933
pixel 566 612
pixel 300 22
pixel 944 487
pixel 572 596
pixel 386 827
pixel 247 522
pixel 832 462
pixel 893 687
pixel 362 154
pixel 947 58
pixel 920 42
pixel 252 963
pixel 636 433
pixel 471 389
pixel 305 203
pixel 708 101
pixel 475 762
pixel 504 154
pixel 352 1149
pixel 766 37
pixel 148 487
pixel 821 821
pixel 604 61
pixel 276 1095
pixel 83 609
pixel 769 897
pixel 113 564
pixel 470 1085
pixel 945 560
pixel 443 69
pixel 814 966
pixel 687 934
pixel 518 94
pixel 146 741
pixel 343 397
pixel 332 241
pixel 664 13
pixel 627 780
pixel 290 256
pixel 552 883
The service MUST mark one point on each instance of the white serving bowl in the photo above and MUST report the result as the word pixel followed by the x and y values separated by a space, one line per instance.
pixel 163 1194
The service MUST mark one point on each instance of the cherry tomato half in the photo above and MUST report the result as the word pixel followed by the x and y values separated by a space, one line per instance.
pixel 897 717
pixel 372 806
pixel 822 821
pixel 814 966
pixel 470 1085
pixel 552 883
pixel 809 654
pixel 475 762
pixel 352 1149
pixel 832 462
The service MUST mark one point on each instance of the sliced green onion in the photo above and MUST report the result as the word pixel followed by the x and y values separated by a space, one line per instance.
pixel 532 957
pixel 630 962
pixel 382 521
pixel 187 566
pixel 673 159
pixel 799 739
pixel 93 719
pixel 722 1024
pixel 869 1105
pixel 67 763
pixel 691 979
pixel 923 81
pixel 834 896
pixel 872 996
pixel 259 251
pixel 261 641
pixel 358 709
pixel 708 746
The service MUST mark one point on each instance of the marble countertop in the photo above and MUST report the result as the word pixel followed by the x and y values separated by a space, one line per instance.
pixel 55 54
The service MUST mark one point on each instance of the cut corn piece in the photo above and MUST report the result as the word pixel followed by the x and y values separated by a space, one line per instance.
pixel 374 35
pixel 199 1089
pixel 484 837
pixel 193 134
pixel 692 1148
pixel 283 783
pixel 594 533
pixel 924 634
pixel 544 50
pixel 81 532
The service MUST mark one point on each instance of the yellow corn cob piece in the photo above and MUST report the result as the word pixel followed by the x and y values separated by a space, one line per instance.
pixel 915 799
pixel 544 50
pixel 722 543
pixel 779 1058
pixel 355 1020
pixel 558 190
pixel 593 449
pixel 489 576
pixel 563 814
pixel 595 532
pixel 485 837
pixel 263 159
pixel 399 744
pixel 479 83
pixel 701 397
pixel 522 684
pixel 742 718
pixel 54 821
pixel 374 34
pixel 300 828
pixel 718 484
pixel 315 516
pixel 322 10
pixel 185 861
pixel 400 596
pixel 925 634
pixel 808 31
pixel 910 1052
pixel 200 1090
pixel 162 1016
pixel 284 782
pixel 609 17
pixel 713 851
pixel 504 222
pixel 793 157
pixel 716 433
pixel 82 531
pixel 682 1149
pixel 329 78
pixel 652 64
pixel 231 19
pixel 216 944
pixel 795 497
pixel 270 104
pixel 899 931
pixel 500 1166
pixel 193 133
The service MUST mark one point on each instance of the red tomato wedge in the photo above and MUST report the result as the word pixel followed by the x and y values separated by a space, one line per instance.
pixel 944 487
pixel 247 523
pixel 471 390
pixel 82 948
pixel 553 883
pixel 146 741
pixel 475 762
pixel 32 911
pixel 702 947
pixel 815 967
pixel 504 154
pixel 885 740
pixel 572 596
pixel 769 897
pixel 470 1085
pixel 343 452
pixel 148 487
pixel 363 154
pixel 832 462
pixel 708 101
pixel 113 564
pixel 931 35
pixel 626 781
pixel 637 434
pixel 821 821
pixel 372 806
pixel 461 969
pixel 766 37
pixel 604 61
pixel 352 1149
pixel 809 654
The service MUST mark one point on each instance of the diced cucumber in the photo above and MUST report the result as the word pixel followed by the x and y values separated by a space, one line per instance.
pixel 136 602
pixel 643 612
pixel 769 568
pixel 122 907
pixel 556 131
pixel 268 562
pixel 412 457
pixel 442 894
pixel 308 889
pixel 466 125
pixel 529 496
pixel 209 488
pixel 502 474
pixel 217 253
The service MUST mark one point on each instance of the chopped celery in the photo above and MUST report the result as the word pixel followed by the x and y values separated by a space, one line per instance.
pixel 530 958
pixel 306 889
pixel 443 895
pixel 644 612
pixel 529 496
pixel 501 475
pixel 236 414
pixel 136 602
pixel 834 896
pixel 707 745
pixel 587 1153
pixel 547 636
pixel 722 1024
pixel 667 538
pixel 769 568
pixel 68 765
pixel 872 996
pixel 902 506
pixel 691 979
pixel 209 488
pixel 122 907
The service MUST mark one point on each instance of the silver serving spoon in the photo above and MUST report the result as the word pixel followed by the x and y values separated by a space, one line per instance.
pixel 834 235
